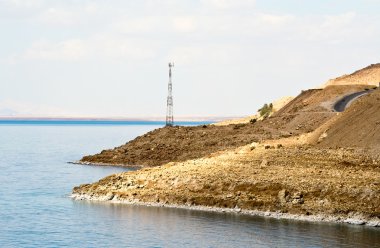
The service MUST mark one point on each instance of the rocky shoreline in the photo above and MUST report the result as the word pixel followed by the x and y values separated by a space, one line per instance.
pixel 132 167
pixel 302 182
pixel 353 219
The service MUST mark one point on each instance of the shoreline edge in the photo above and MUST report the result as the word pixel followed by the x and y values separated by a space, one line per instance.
pixel 327 218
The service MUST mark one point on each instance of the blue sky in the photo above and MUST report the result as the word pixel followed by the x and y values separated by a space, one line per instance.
pixel 109 58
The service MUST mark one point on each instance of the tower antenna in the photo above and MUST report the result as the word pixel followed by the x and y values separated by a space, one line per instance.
pixel 169 108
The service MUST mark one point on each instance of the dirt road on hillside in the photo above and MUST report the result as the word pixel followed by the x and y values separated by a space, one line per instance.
pixel 346 101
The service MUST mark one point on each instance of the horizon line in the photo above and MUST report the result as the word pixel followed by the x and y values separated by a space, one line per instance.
pixel 89 118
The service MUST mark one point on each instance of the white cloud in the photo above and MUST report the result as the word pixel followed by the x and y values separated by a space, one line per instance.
pixel 22 3
pixel 339 21
pixel 185 23
pixel 154 25
pixel 332 29
pixel 71 15
pixel 98 47
pixel 138 25
pixel 69 50
pixel 206 54
pixel 142 38
pixel 228 4
pixel 121 48
pixel 260 24
pixel 237 26
pixel 273 20
pixel 54 16
pixel 201 25
pixel 130 38
pixel 92 8
pixel 186 55
pixel 20 9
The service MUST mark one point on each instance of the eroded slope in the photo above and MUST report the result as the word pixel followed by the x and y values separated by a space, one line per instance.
pixel 304 114
pixel 358 126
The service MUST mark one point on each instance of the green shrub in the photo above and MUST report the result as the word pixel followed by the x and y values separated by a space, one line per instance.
pixel 266 110
pixel 253 121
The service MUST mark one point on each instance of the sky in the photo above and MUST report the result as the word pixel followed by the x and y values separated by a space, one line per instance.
pixel 103 58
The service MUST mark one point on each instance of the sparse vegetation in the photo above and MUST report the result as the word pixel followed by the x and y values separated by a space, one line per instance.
pixel 253 121
pixel 266 110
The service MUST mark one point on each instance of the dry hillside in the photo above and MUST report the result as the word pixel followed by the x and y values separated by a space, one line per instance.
pixel 277 105
pixel 303 114
pixel 369 76
pixel 358 126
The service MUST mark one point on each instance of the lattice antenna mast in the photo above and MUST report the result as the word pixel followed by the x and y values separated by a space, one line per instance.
pixel 169 109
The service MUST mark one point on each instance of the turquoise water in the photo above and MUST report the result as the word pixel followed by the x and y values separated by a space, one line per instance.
pixel 35 211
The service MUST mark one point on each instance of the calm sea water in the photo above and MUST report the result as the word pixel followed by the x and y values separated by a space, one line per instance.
pixel 35 210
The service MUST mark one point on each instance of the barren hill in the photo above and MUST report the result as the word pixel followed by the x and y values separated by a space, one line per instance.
pixel 358 126
pixel 303 114
pixel 277 105
pixel 368 76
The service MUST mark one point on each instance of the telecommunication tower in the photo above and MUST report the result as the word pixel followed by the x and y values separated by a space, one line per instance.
pixel 169 109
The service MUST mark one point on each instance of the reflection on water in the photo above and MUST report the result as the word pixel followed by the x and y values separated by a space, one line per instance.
pixel 163 227
pixel 36 212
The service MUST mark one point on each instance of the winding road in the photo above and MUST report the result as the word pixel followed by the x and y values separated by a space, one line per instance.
pixel 346 101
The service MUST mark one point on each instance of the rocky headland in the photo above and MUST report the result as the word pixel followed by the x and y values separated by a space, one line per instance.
pixel 303 161
pixel 304 114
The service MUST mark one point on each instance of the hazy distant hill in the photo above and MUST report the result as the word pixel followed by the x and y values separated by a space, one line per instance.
pixel 8 112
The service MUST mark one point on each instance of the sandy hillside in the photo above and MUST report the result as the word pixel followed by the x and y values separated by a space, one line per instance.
pixel 303 114
pixel 358 126
pixel 369 76
pixel 277 105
